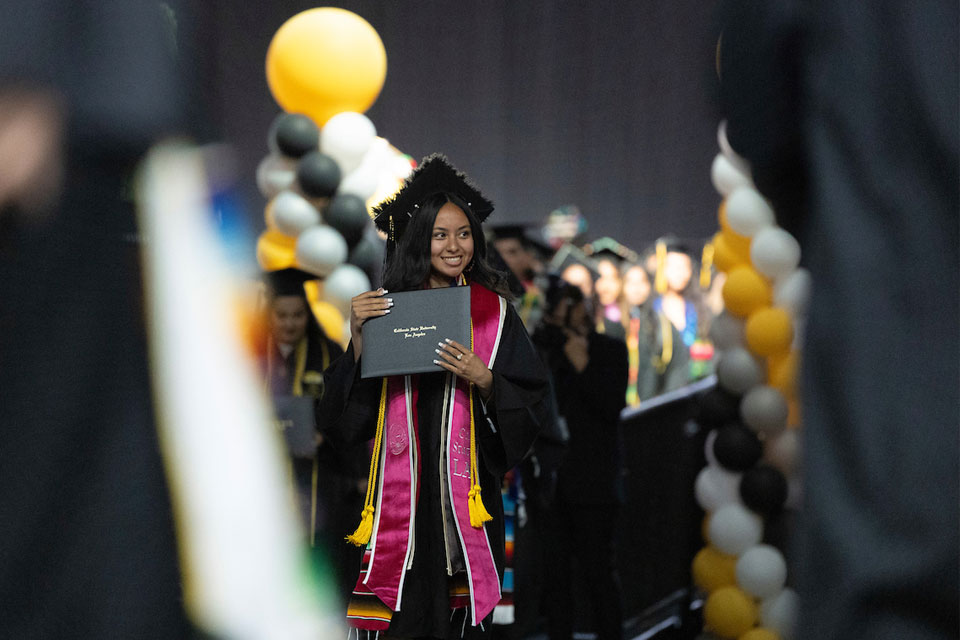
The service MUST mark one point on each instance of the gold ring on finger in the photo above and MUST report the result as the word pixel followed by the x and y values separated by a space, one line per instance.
pixel 459 356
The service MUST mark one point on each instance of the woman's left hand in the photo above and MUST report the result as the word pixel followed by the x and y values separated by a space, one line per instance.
pixel 464 363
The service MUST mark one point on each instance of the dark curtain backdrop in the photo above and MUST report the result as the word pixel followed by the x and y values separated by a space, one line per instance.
pixel 606 105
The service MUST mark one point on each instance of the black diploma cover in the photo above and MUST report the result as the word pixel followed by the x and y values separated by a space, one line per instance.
pixel 405 340
pixel 295 417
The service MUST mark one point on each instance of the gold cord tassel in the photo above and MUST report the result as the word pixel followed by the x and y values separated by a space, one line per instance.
pixel 478 513
pixel 361 536
pixel 660 280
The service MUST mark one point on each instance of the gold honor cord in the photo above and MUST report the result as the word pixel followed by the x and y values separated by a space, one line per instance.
pixel 478 513
pixel 361 536
pixel 666 339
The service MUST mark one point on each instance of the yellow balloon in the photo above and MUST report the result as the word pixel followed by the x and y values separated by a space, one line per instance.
pixel 745 291
pixel 740 244
pixel 760 633
pixel 275 250
pixel 330 319
pixel 725 256
pixel 729 612
pixel 769 331
pixel 324 61
pixel 712 569
pixel 782 373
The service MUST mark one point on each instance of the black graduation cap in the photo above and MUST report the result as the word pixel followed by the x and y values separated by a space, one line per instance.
pixel 287 282
pixel 434 175
pixel 611 249
pixel 568 255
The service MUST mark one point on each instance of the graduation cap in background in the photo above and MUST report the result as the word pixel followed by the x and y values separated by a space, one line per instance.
pixel 569 255
pixel 611 249
pixel 434 175
pixel 526 233
pixel 287 282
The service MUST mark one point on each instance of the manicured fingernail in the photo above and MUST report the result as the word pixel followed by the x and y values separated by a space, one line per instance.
pixel 448 340
pixel 440 344
pixel 386 310
pixel 437 350
pixel 390 301
pixel 436 362
pixel 381 290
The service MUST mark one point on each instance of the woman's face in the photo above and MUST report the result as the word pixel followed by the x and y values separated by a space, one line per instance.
pixel 608 284
pixel 451 245
pixel 636 286
pixel 678 269
pixel 288 319
pixel 579 276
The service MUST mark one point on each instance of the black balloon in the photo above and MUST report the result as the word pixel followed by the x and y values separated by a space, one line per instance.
pixel 347 214
pixel 365 256
pixel 294 134
pixel 764 489
pixel 318 175
pixel 737 448
pixel 716 407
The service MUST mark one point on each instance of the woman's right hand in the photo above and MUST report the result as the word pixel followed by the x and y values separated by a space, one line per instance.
pixel 363 307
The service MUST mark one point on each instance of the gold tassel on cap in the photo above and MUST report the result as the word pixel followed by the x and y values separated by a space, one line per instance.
pixel 660 280
pixel 361 536
pixel 706 262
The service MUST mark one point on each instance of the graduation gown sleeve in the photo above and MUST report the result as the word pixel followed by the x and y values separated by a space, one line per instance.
pixel 347 413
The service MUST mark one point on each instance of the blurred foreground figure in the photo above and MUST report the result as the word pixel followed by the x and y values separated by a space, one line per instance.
pixel 87 535
pixel 848 114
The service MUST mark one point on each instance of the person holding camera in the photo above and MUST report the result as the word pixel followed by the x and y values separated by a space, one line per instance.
pixel 589 372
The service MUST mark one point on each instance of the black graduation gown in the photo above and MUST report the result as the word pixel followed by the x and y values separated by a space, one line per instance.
pixel 517 408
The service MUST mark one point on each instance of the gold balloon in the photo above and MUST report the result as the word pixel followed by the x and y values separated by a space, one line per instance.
pixel 782 373
pixel 725 255
pixel 275 250
pixel 769 332
pixel 729 612
pixel 324 61
pixel 712 569
pixel 760 633
pixel 330 319
pixel 745 291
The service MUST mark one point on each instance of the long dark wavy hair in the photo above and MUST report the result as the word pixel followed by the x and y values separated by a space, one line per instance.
pixel 407 266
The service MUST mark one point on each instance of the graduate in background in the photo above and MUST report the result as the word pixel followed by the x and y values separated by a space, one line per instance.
pixel 329 482
pixel 433 520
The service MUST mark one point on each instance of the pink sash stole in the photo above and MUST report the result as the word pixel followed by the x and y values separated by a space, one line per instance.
pixel 391 541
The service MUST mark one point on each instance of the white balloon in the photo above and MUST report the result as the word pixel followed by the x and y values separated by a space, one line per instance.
pixel 346 137
pixel 345 282
pixel 774 252
pixel 734 529
pixel 726 177
pixel 792 292
pixel 708 448
pixel 783 450
pixel 727 332
pixel 362 182
pixel 274 174
pixel 320 249
pixel 735 158
pixel 761 571
pixel 291 214
pixel 716 487
pixel 779 612
pixel 738 371
pixel 764 409
pixel 747 211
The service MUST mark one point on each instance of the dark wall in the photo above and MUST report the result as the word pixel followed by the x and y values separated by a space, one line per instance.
pixel 607 105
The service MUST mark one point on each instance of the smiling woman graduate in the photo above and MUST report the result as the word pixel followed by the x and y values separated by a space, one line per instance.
pixel 433 520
